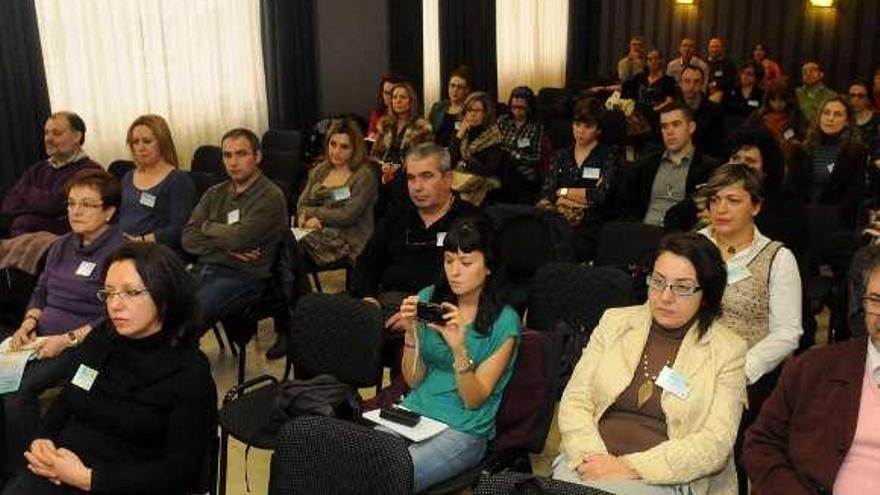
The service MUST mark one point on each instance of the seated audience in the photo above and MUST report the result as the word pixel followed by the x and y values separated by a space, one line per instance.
pixel 707 111
pixel 139 414
pixel 633 63
pixel 781 114
pixel 400 129
pixel 476 150
pixel 337 201
pixel 36 202
pixel 814 92
pixel 722 70
pixel 647 190
pixel 405 251
pixel 383 103
pixel 762 302
pixel 746 98
pixel 235 231
pixel 652 90
pixel 687 58
pixel 772 71
pixel 654 403
pixel 581 177
pixel 63 308
pixel 867 120
pixel 457 369
pixel 521 137
pixel 817 432
pixel 445 115
pixel 157 197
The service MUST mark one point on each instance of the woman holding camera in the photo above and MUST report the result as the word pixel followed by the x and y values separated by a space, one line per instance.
pixel 458 365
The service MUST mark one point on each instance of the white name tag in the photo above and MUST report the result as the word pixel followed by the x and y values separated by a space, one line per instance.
pixel 673 382
pixel 788 134
pixel 233 216
pixel 831 167
pixel 737 273
pixel 84 377
pixel 85 268
pixel 148 200
pixel 591 173
pixel 457 125
pixel 753 103
pixel 341 193
pixel 719 73
pixel 523 142
pixel 441 237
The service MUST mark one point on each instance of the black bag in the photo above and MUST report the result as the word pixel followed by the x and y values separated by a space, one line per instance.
pixel 323 395
pixel 512 483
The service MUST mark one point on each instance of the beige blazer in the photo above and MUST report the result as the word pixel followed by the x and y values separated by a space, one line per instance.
pixel 701 428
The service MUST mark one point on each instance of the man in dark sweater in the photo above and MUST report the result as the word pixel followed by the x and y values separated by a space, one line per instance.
pixel 235 230
pixel 707 111
pixel 405 252
pixel 37 202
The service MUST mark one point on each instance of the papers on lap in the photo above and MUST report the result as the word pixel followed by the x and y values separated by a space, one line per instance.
pixel 12 364
pixel 299 233
pixel 426 428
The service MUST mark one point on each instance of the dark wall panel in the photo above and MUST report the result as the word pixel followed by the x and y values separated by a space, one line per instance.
pixel 845 39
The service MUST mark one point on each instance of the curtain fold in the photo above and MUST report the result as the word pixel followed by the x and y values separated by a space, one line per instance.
pixel 583 37
pixel 467 36
pixel 405 25
pixel 290 61
pixel 24 97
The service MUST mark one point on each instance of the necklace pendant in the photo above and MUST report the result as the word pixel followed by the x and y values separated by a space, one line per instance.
pixel 646 391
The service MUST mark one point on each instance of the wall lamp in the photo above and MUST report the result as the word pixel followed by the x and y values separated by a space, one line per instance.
pixel 684 2
pixel 822 3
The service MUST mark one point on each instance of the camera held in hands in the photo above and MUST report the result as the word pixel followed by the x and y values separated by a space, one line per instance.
pixel 429 312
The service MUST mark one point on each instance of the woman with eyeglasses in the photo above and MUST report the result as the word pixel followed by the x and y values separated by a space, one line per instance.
pixel 521 136
pixel 445 115
pixel 654 403
pixel 867 120
pixel 138 412
pixel 476 150
pixel 63 309
pixel 762 303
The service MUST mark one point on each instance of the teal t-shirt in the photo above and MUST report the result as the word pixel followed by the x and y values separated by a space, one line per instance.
pixel 437 395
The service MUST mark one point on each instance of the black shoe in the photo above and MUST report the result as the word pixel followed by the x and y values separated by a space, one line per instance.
pixel 279 348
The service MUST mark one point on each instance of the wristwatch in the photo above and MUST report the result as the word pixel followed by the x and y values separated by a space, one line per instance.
pixel 72 338
pixel 563 192
pixel 470 368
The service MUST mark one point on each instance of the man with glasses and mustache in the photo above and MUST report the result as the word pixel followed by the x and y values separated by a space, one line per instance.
pixel 819 432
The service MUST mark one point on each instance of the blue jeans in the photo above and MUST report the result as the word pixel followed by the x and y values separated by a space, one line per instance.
pixel 223 292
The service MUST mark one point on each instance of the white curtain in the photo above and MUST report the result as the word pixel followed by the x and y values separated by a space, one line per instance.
pixel 431 52
pixel 198 63
pixel 531 40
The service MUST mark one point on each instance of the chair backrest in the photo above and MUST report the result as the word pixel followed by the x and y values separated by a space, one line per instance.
pixel 285 140
pixel 318 454
pixel 208 158
pixel 337 335
pixel 627 244
pixel 118 168
pixel 526 410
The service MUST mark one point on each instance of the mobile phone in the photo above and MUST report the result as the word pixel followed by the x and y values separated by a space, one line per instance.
pixel 430 312
pixel 400 416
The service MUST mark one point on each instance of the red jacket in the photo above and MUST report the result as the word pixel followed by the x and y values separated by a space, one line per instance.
pixel 806 427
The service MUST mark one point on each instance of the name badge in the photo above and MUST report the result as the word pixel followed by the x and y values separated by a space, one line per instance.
pixel 85 268
pixel 737 273
pixel 523 142
pixel 148 200
pixel 233 216
pixel 788 134
pixel 753 103
pixel 341 193
pixel 831 167
pixel 84 377
pixel 719 73
pixel 591 173
pixel 457 125
pixel 441 237
pixel 672 382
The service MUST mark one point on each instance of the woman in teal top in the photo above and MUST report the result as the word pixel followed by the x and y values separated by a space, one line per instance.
pixel 458 370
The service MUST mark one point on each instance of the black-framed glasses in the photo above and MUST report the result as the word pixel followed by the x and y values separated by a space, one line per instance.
pixel 105 295
pixel 683 289
pixel 858 95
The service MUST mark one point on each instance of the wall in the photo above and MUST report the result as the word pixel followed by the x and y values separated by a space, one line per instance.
pixel 353 40
pixel 846 39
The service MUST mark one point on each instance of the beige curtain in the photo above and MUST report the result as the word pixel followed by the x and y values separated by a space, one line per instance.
pixel 531 40
pixel 431 52
pixel 198 63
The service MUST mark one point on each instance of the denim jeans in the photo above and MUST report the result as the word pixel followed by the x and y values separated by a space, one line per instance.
pixel 224 291
pixel 444 456
pixel 562 472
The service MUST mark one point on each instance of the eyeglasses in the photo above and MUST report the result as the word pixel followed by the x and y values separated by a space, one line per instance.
pixel 682 289
pixel 475 109
pixel 125 295
pixel 872 305
pixel 858 95
pixel 89 205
